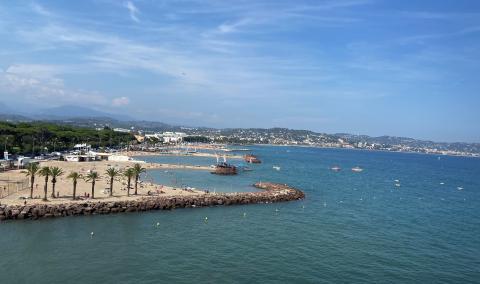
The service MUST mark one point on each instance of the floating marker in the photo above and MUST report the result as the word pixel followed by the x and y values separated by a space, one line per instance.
pixel 244 214
pixel 206 219
pixel 91 234
pixel 158 224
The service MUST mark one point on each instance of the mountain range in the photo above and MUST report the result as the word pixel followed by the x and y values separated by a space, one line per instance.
pixel 86 117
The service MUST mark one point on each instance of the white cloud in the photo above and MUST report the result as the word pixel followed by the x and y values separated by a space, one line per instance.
pixel 133 10
pixel 121 101
pixel 39 9
pixel 42 84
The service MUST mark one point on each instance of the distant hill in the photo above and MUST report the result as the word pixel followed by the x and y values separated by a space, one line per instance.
pixel 4 109
pixel 72 111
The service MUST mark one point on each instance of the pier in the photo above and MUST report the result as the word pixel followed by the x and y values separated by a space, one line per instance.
pixel 271 192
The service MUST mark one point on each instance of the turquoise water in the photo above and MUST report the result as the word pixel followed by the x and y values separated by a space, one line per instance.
pixel 352 227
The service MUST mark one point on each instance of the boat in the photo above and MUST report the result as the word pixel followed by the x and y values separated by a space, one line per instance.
pixel 224 168
pixel 276 168
pixel 252 159
pixel 336 168
pixel 357 169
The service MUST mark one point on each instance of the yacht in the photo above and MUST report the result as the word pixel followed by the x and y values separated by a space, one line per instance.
pixel 357 169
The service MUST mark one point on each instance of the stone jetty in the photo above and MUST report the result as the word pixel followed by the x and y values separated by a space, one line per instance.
pixel 272 192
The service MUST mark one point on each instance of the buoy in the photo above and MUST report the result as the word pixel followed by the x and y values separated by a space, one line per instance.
pixel 244 214
pixel 206 219
pixel 158 224
pixel 91 234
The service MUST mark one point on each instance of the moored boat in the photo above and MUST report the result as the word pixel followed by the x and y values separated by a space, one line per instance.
pixel 357 169
pixel 252 159
pixel 224 168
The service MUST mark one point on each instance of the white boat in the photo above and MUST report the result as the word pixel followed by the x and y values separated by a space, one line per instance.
pixel 357 169
pixel 336 168
pixel 276 168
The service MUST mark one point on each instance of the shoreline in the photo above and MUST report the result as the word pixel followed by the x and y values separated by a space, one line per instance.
pixel 476 156
pixel 271 193
pixel 209 155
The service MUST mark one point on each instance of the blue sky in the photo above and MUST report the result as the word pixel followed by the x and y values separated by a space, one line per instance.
pixel 405 68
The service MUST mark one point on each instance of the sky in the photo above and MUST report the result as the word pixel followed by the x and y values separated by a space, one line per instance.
pixel 375 67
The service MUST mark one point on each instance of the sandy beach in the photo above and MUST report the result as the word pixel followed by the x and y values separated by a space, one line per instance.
pixel 213 156
pixel 64 185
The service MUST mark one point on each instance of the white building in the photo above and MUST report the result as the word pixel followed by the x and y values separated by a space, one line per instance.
pixel 168 137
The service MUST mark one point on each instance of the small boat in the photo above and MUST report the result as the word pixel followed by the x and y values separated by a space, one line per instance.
pixel 247 169
pixel 252 159
pixel 357 169
pixel 276 168
pixel 397 185
pixel 336 168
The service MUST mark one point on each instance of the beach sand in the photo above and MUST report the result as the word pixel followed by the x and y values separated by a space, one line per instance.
pixel 64 186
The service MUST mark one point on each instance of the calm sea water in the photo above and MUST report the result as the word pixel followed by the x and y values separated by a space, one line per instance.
pixel 352 227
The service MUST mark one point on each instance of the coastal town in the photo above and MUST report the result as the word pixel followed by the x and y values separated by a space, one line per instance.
pixel 289 137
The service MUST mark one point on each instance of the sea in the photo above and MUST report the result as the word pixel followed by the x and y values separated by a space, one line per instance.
pixel 406 218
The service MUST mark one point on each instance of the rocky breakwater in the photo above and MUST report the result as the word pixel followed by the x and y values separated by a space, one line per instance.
pixel 272 192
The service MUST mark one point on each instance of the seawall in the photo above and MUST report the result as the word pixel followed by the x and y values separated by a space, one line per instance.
pixel 272 192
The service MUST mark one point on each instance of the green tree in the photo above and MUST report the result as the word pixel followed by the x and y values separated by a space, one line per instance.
pixel 129 174
pixel 32 170
pixel 112 173
pixel 45 172
pixel 55 172
pixel 74 176
pixel 92 177
pixel 138 170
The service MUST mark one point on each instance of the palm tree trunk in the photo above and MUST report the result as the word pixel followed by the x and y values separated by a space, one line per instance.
pixel 45 189
pixel 128 187
pixel 32 181
pixel 74 189
pixel 111 186
pixel 53 189
pixel 93 189
pixel 136 182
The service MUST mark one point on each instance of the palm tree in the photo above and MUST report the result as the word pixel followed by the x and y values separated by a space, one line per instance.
pixel 55 172
pixel 32 170
pixel 129 174
pixel 92 177
pixel 45 171
pixel 112 173
pixel 74 176
pixel 137 169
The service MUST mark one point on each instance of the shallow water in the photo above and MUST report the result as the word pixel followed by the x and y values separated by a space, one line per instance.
pixel 352 227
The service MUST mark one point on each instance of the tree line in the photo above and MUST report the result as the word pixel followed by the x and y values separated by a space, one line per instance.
pixel 33 138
